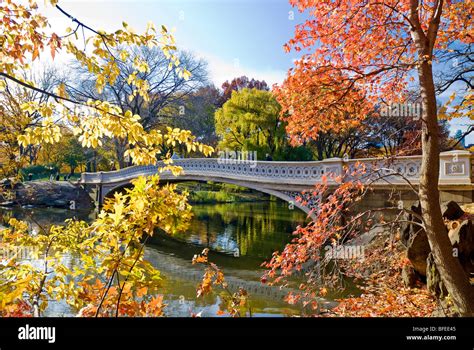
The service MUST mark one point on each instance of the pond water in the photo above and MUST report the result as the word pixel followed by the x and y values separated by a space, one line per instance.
pixel 240 236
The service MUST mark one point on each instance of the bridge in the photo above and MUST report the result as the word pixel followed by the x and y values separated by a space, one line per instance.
pixel 286 180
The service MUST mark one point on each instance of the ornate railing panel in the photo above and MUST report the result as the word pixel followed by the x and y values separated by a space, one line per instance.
pixel 455 169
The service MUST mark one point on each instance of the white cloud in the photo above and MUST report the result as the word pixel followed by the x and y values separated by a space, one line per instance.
pixel 221 70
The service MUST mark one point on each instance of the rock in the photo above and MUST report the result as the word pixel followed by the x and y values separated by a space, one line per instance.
pixel 409 276
pixel 10 184
pixel 408 229
pixel 414 237
pixel 451 211
pixel 324 306
pixel 468 208
pixel 445 308
pixel 59 194
pixel 433 279
pixel 58 203
pixel 418 250
pixel 461 236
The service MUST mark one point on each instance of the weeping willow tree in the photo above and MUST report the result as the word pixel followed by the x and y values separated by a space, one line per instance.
pixel 249 121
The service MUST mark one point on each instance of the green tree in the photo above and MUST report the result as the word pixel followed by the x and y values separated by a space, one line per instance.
pixel 73 154
pixel 249 121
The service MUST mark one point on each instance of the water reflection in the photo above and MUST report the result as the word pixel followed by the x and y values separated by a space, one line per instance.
pixel 241 236
pixel 43 218
pixel 243 229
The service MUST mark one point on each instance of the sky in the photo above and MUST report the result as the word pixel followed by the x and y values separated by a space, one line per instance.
pixel 235 37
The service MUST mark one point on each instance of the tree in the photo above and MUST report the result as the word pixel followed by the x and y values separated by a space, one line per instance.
pixel 394 136
pixel 166 89
pixel 94 119
pixel 322 253
pixel 114 244
pixel 198 114
pixel 240 83
pixel 339 144
pixel 14 121
pixel 73 154
pixel 460 60
pixel 362 53
pixel 116 239
pixel 249 121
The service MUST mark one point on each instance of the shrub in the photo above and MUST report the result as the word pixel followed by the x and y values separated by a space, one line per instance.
pixel 38 171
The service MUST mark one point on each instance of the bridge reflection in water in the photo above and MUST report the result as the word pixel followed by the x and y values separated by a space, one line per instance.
pixel 255 229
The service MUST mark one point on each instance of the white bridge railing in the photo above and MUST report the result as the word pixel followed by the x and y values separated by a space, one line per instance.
pixel 455 169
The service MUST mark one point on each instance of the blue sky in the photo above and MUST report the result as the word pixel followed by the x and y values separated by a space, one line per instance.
pixel 236 37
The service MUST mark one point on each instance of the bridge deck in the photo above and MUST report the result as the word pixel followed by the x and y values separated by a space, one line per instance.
pixel 455 170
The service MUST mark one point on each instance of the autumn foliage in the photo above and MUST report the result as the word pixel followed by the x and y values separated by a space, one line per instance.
pixel 356 55
pixel 379 276
pixel 234 303
pixel 338 221
pixel 92 120
pixel 112 277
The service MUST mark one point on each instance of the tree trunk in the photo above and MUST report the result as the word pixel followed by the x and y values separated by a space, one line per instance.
pixel 452 274
pixel 120 146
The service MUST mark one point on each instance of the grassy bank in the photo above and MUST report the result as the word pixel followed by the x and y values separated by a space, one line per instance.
pixel 224 197
pixel 74 177
pixel 203 193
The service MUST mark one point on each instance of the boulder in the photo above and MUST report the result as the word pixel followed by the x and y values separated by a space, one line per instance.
pixel 451 211
pixel 409 276
pixel 418 251
pixel 461 236
pixel 409 229
pixel 58 194
pixel 414 238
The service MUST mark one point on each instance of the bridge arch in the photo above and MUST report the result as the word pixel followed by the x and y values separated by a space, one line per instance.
pixel 287 196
